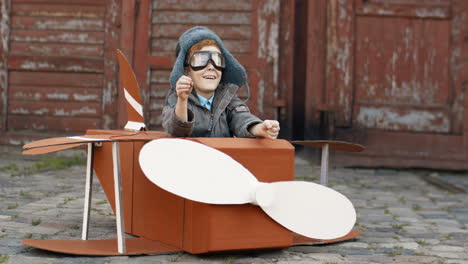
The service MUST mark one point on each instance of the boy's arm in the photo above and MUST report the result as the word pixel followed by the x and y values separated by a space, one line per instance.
pixel 240 119
pixel 173 125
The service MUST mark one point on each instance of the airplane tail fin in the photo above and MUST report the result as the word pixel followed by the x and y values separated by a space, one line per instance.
pixel 135 119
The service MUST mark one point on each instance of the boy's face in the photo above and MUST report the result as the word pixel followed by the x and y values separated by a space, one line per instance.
pixel 206 81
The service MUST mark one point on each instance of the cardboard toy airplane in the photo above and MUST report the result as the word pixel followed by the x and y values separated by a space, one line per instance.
pixel 200 195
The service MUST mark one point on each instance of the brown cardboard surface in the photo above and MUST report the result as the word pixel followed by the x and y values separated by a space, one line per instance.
pixel 196 227
pixel 103 168
pixel 302 240
pixel 49 149
pixel 108 247
pixel 157 214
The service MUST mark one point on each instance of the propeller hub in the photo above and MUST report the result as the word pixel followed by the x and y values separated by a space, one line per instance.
pixel 264 196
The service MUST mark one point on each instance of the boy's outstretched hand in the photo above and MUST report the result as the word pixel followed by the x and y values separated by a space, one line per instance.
pixel 266 129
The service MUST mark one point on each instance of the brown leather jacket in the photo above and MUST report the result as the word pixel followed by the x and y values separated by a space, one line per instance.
pixel 229 116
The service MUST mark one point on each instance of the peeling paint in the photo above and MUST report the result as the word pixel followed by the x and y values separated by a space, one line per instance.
pixel 20 111
pixel 411 120
pixel 61 37
pixel 107 121
pixel 74 112
pixel 33 65
pixel 260 98
pixel 84 110
pixel 85 97
pixel 74 24
pixel 41 111
pixel 34 96
pixel 61 96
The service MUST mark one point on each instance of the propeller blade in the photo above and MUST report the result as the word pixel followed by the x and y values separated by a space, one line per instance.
pixel 203 174
pixel 197 172
pixel 307 208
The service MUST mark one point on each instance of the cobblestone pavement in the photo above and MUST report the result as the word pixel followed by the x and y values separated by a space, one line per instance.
pixel 404 219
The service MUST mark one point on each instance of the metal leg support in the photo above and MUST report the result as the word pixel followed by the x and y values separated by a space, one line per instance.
pixel 118 198
pixel 324 166
pixel 88 192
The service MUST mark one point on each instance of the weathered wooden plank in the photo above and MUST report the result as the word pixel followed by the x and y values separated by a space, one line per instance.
pixel 111 86
pixel 142 49
pixel 267 46
pixel 57 36
pixel 160 46
pixel 159 76
pixel 127 46
pixel 56 109
pixel 410 61
pixel 155 120
pixel 4 40
pixel 402 119
pixel 159 91
pixel 405 149
pixel 46 93
pixel 58 23
pixel 60 2
pixel 340 58
pixel 405 8
pixel 156 104
pixel 56 79
pixel 173 31
pixel 196 18
pixel 80 10
pixel 63 49
pixel 224 5
pixel 315 79
pixel 50 124
pixel 459 67
pixel 61 64
pixel 286 69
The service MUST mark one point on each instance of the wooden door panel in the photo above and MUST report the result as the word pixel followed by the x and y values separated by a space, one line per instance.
pixel 402 63
pixel 408 62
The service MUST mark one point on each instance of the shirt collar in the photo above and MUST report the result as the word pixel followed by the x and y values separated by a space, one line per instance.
pixel 207 103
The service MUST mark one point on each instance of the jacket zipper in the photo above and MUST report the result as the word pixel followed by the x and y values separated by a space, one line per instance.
pixel 211 122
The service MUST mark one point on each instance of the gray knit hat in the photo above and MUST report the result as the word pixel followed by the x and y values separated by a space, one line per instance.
pixel 234 73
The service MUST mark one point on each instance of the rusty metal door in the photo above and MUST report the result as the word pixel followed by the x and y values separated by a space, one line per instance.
pixel 249 29
pixel 395 80
pixel 57 67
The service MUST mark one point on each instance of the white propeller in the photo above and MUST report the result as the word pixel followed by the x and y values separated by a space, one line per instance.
pixel 200 173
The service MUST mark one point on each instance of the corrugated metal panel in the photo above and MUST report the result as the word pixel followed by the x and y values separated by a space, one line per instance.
pixel 59 64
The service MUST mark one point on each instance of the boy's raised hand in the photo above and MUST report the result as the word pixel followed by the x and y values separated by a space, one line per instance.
pixel 184 87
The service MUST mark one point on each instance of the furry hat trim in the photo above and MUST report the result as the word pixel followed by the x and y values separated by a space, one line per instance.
pixel 234 73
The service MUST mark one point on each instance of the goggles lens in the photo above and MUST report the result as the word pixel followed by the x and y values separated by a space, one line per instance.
pixel 200 60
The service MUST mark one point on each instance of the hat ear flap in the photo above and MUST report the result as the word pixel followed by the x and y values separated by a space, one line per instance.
pixel 177 49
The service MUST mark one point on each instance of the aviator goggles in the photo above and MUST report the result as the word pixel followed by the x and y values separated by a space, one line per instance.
pixel 200 60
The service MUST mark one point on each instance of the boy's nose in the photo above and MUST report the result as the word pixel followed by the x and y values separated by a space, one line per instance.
pixel 210 65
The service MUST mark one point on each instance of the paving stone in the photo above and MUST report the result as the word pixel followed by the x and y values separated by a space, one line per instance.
pixel 447 248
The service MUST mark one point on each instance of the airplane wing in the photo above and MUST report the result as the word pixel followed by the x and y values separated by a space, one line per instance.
pixel 335 145
pixel 61 143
